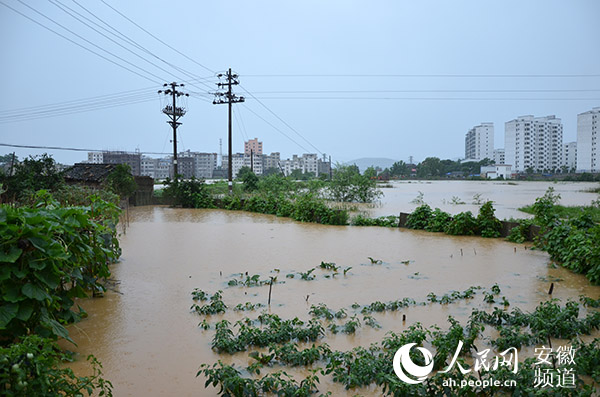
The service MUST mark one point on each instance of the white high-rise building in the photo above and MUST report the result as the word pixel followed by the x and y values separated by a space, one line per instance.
pixel 499 157
pixel 533 143
pixel 569 155
pixel 95 157
pixel 479 142
pixel 588 159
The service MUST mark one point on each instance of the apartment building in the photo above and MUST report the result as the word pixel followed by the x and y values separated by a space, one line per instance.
pixel 569 156
pixel 533 143
pixel 479 142
pixel 588 159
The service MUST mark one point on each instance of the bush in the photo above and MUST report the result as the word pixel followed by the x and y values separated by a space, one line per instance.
pixel 487 223
pixel 33 368
pixel 520 234
pixel 419 218
pixel 348 185
pixel 463 224
pixel 438 221
pixel 189 193
pixel 49 256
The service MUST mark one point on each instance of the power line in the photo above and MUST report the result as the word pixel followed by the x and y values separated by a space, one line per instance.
pixel 80 100
pixel 79 44
pixel 428 98
pixel 73 110
pixel 125 38
pixel 69 149
pixel 422 91
pixel 280 119
pixel 431 75
pixel 276 129
pixel 62 7
pixel 156 38
pixel 76 43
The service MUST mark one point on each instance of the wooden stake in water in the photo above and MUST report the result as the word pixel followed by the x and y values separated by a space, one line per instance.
pixel 551 289
pixel 270 288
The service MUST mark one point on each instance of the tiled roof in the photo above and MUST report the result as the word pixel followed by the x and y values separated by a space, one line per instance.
pixel 86 172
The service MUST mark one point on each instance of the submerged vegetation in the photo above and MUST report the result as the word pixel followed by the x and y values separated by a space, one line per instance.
pixel 290 343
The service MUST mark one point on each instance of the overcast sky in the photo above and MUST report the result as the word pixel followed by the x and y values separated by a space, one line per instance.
pixel 349 78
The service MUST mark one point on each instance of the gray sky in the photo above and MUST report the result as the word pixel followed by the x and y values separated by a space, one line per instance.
pixel 391 49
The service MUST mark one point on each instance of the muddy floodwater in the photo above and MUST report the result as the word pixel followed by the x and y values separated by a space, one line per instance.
pixel 507 196
pixel 149 341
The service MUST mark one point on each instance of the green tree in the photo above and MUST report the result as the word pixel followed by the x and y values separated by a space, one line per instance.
pixel 430 167
pixel 121 182
pixel 400 168
pixel 348 185
pixel 33 174
pixel 248 178
pixel 370 173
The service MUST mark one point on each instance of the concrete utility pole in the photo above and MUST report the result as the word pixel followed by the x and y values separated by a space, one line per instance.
pixel 175 113
pixel 229 98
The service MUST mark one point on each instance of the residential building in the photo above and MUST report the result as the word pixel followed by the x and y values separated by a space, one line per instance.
pixel 148 167
pixel 202 165
pixel 479 142
pixel 569 156
pixel 588 159
pixel 498 156
pixel 496 171
pixel 237 162
pixel 271 161
pixel 134 160
pixel 533 143
pixel 307 163
pixel 95 158
pixel 254 146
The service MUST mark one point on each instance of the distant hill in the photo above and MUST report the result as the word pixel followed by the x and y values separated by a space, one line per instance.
pixel 367 162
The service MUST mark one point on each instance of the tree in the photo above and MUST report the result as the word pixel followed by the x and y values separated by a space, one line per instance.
pixel 370 173
pixel 430 167
pixel 121 182
pixel 400 168
pixel 348 185
pixel 33 174
pixel 248 178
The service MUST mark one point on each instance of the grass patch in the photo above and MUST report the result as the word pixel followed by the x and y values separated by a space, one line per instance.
pixel 568 212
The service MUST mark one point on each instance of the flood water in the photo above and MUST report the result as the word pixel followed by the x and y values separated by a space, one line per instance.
pixel 507 196
pixel 149 341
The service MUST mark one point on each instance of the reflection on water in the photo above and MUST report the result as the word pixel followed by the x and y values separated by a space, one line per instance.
pixel 508 196
pixel 149 342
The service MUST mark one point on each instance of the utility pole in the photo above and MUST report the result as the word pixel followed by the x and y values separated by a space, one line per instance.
pixel 251 160
pixel 229 98
pixel 175 113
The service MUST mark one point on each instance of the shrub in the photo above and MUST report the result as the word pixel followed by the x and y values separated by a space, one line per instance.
pixel 49 256
pixel 189 193
pixel 487 223
pixel 463 224
pixel 419 218
pixel 438 222
pixel 33 368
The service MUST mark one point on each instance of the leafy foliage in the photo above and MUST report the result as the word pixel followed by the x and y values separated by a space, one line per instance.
pixel 188 193
pixel 348 185
pixel 49 256
pixel 487 223
pixel 121 182
pixel 33 368
pixel 33 174
pixel 463 224
pixel 419 218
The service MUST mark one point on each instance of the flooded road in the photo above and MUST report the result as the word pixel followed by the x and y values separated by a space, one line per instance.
pixel 507 196
pixel 149 341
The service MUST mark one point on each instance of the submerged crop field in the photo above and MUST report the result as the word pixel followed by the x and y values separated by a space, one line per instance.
pixel 189 312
